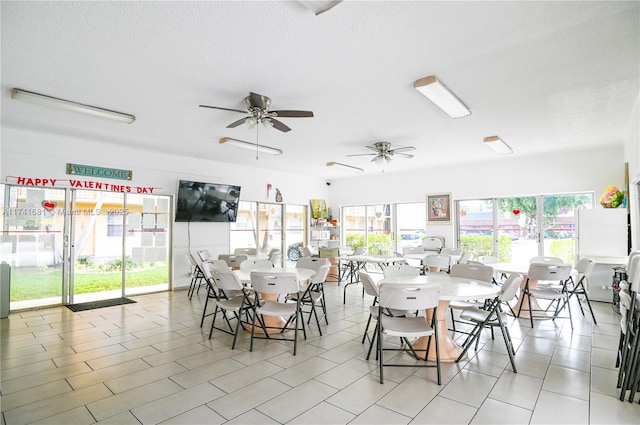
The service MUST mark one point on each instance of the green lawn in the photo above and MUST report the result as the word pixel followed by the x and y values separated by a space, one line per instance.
pixel 31 284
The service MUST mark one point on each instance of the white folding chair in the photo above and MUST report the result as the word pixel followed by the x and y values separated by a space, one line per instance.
pixel 492 316
pixel 277 285
pixel 407 297
pixel 558 296
pixel 241 305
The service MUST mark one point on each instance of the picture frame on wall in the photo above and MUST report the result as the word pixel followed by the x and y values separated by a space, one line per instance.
pixel 439 208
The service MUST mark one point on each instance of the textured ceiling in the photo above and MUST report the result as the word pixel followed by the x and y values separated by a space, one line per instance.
pixel 544 76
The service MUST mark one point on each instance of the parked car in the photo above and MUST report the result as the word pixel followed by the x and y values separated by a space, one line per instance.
pixel 293 251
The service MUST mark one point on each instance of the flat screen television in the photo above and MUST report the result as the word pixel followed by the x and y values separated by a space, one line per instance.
pixel 208 202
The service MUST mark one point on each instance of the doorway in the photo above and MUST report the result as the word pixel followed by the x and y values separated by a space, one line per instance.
pixel 67 246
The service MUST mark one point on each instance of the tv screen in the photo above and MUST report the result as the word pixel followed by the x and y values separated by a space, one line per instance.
pixel 207 202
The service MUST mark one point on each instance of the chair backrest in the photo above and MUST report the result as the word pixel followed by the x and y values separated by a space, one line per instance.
pixel 233 260
pixel 321 274
pixel 370 286
pixel 204 255
pixel 472 271
pixel 585 266
pixel 274 250
pixel 361 250
pixel 245 251
pixel 432 244
pixel 466 257
pixel 192 261
pixel 274 283
pixel 395 270
pixel 632 254
pixel 546 260
pixel 408 297
pixel 632 268
pixel 305 251
pixel 451 251
pixel 437 260
pixel 255 263
pixel 553 272
pixel 510 287
pixel 412 250
pixel 226 280
pixel 217 264
pixel 274 256
pixel 487 259
pixel 633 274
pixel 311 263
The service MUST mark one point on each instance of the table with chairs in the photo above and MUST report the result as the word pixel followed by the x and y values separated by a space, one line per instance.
pixel 451 288
pixel 275 323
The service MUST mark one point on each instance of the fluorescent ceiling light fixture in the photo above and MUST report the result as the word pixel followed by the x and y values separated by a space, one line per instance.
pixel 43 99
pixel 498 145
pixel 252 146
pixel 351 167
pixel 441 96
pixel 319 6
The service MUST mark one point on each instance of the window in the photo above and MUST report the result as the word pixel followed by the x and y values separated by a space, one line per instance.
pixel 115 225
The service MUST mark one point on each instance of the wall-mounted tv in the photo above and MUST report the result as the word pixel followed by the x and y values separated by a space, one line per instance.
pixel 207 202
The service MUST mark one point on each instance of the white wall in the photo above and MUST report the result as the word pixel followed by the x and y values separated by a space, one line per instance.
pixel 507 176
pixel 41 155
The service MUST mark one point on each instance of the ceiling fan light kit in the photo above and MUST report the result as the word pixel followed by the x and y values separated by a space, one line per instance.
pixel 498 145
pixel 252 146
pixel 68 105
pixel 436 92
pixel 339 164
pixel 258 113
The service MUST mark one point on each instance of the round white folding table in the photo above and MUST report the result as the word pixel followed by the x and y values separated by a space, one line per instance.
pixel 302 274
pixel 451 288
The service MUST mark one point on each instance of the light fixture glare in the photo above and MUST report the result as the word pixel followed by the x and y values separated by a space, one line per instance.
pixel 69 105
pixel 498 145
pixel 436 92
pixel 251 146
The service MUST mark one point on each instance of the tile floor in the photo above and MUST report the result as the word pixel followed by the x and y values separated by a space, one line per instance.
pixel 150 362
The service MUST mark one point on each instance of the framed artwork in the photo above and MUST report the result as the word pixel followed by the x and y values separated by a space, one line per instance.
pixel 439 208
pixel 319 209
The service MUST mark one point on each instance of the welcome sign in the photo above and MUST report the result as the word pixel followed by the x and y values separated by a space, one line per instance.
pixel 91 171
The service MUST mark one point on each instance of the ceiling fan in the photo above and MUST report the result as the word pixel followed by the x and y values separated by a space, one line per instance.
pixel 258 113
pixel 384 154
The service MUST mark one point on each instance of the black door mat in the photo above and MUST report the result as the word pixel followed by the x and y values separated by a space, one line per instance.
pixel 99 304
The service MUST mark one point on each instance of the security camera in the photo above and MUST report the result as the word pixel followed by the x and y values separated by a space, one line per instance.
pixel 328 183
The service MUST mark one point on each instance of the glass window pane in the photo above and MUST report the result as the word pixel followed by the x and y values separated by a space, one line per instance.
pixel 243 233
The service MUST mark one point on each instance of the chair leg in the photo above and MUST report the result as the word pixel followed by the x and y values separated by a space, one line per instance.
pixel 366 329
pixel 380 352
pixel 434 320
pixel 508 343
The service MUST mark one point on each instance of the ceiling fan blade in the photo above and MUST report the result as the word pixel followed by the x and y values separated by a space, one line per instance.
pixel 224 109
pixel 373 148
pixel 279 125
pixel 293 114
pixel 404 155
pixel 237 123
pixel 363 154
pixel 404 148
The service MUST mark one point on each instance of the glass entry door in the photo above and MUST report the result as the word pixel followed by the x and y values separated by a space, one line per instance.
pixel 32 242
pixel 120 245
pixel 97 229
pixel 67 246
